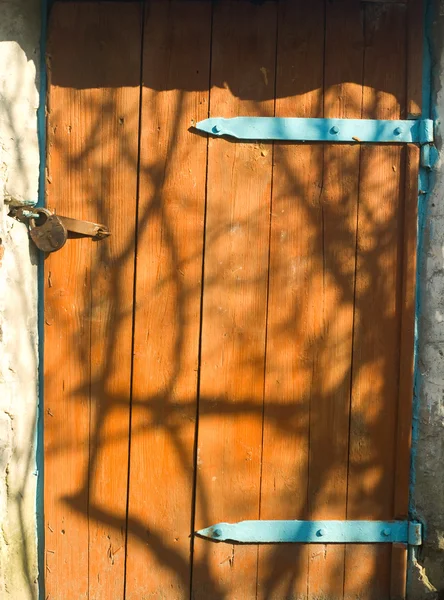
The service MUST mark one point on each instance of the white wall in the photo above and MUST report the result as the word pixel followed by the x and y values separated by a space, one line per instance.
pixel 19 162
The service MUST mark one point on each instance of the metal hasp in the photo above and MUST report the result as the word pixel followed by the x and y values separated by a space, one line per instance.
pixel 320 130
pixel 315 532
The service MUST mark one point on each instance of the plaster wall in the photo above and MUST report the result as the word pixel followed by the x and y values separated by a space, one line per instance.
pixel 19 169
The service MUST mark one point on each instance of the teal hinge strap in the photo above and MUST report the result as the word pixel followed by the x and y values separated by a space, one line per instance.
pixel 320 130
pixel 315 532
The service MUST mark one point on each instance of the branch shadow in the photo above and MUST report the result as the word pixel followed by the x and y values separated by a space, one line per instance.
pixel 349 266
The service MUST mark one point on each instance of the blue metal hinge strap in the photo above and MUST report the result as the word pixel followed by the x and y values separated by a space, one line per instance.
pixel 320 130
pixel 316 532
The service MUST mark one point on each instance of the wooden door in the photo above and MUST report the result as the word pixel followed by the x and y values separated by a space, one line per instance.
pixel 241 347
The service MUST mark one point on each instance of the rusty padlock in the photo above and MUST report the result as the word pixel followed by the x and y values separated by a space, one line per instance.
pixel 47 231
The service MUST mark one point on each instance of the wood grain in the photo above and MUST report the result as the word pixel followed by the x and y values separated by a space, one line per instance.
pixel 406 367
pixel 168 296
pixel 331 381
pixel 91 159
pixel 234 299
pixel 378 287
pixel 112 298
pixel 289 269
pixel 415 57
pixel 295 287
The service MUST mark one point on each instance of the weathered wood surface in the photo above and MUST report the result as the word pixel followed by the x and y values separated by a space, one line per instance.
pixel 295 290
pixel 234 299
pixel 376 344
pixel 168 287
pixel 339 201
pixel 241 347
pixel 92 174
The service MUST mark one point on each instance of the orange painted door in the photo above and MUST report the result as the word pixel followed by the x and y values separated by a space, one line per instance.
pixel 241 346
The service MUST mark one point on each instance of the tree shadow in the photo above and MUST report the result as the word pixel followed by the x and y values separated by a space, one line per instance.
pixel 150 319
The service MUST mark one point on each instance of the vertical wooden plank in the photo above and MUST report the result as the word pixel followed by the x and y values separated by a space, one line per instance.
pixel 404 416
pixel 330 398
pixel 295 284
pixel 112 280
pixel 234 300
pixel 67 317
pixel 94 72
pixel 378 288
pixel 415 57
pixel 168 297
